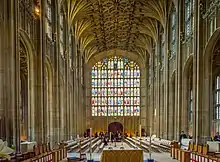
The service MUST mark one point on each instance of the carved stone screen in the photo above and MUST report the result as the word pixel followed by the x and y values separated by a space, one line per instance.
pixel 115 87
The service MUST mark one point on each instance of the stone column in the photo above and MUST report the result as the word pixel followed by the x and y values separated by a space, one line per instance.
pixel 9 73
pixel 2 53
pixel 46 130
pixel 12 77
pixel 157 89
pixel 75 102
pixel 178 86
pixel 170 108
pixel 201 130
pixel 65 97
pixel 39 88
pixel 71 111
pixel 61 106
pixel 151 93
pixel 55 111
pixel 166 83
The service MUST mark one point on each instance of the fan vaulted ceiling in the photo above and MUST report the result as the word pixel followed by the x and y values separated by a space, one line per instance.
pixel 128 25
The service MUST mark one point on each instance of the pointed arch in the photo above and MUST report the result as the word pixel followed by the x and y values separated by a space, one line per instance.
pixel 208 77
pixel 25 41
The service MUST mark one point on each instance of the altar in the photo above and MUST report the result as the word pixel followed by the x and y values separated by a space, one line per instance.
pixel 121 155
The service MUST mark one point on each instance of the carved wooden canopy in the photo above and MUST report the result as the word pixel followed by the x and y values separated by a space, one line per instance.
pixel 128 25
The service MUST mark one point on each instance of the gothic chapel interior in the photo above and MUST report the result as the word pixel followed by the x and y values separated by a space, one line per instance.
pixel 111 65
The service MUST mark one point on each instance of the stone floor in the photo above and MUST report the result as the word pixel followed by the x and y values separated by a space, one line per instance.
pixel 158 157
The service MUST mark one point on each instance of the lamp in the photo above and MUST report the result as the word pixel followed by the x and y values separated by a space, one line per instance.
pixel 37 10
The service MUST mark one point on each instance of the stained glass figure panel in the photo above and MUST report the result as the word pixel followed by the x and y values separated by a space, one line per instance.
pixel 115 83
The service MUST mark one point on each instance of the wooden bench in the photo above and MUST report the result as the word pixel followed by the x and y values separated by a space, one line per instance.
pixel 101 146
pixel 132 143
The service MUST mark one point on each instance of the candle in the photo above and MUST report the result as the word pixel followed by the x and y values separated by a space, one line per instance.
pixel 140 130
pixel 150 132
pixel 90 133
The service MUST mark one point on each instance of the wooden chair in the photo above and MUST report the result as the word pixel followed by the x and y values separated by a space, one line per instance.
pixel 200 149
pixel 195 148
pixel 191 146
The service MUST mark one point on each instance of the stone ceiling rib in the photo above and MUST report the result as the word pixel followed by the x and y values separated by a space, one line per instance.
pixel 128 25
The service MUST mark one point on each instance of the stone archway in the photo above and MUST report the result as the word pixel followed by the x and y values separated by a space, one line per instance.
pixel 115 127
pixel 208 56
pixel 27 80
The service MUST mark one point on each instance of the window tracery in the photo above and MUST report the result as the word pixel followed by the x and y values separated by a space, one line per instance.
pixel 217 98
pixel 49 19
pixel 173 31
pixel 62 33
pixel 189 17
pixel 115 87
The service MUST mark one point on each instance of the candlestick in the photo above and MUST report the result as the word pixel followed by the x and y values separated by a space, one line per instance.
pixel 90 132
pixel 140 130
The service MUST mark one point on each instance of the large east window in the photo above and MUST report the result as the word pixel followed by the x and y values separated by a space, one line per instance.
pixel 115 87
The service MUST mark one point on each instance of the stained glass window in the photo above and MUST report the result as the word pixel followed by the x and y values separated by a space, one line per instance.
pixel 115 87
pixel 49 19
pixel 189 18
pixel 173 31
pixel 62 33
pixel 217 99
pixel 162 49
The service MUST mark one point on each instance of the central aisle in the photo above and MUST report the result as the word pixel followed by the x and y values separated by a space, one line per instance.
pixel 159 157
